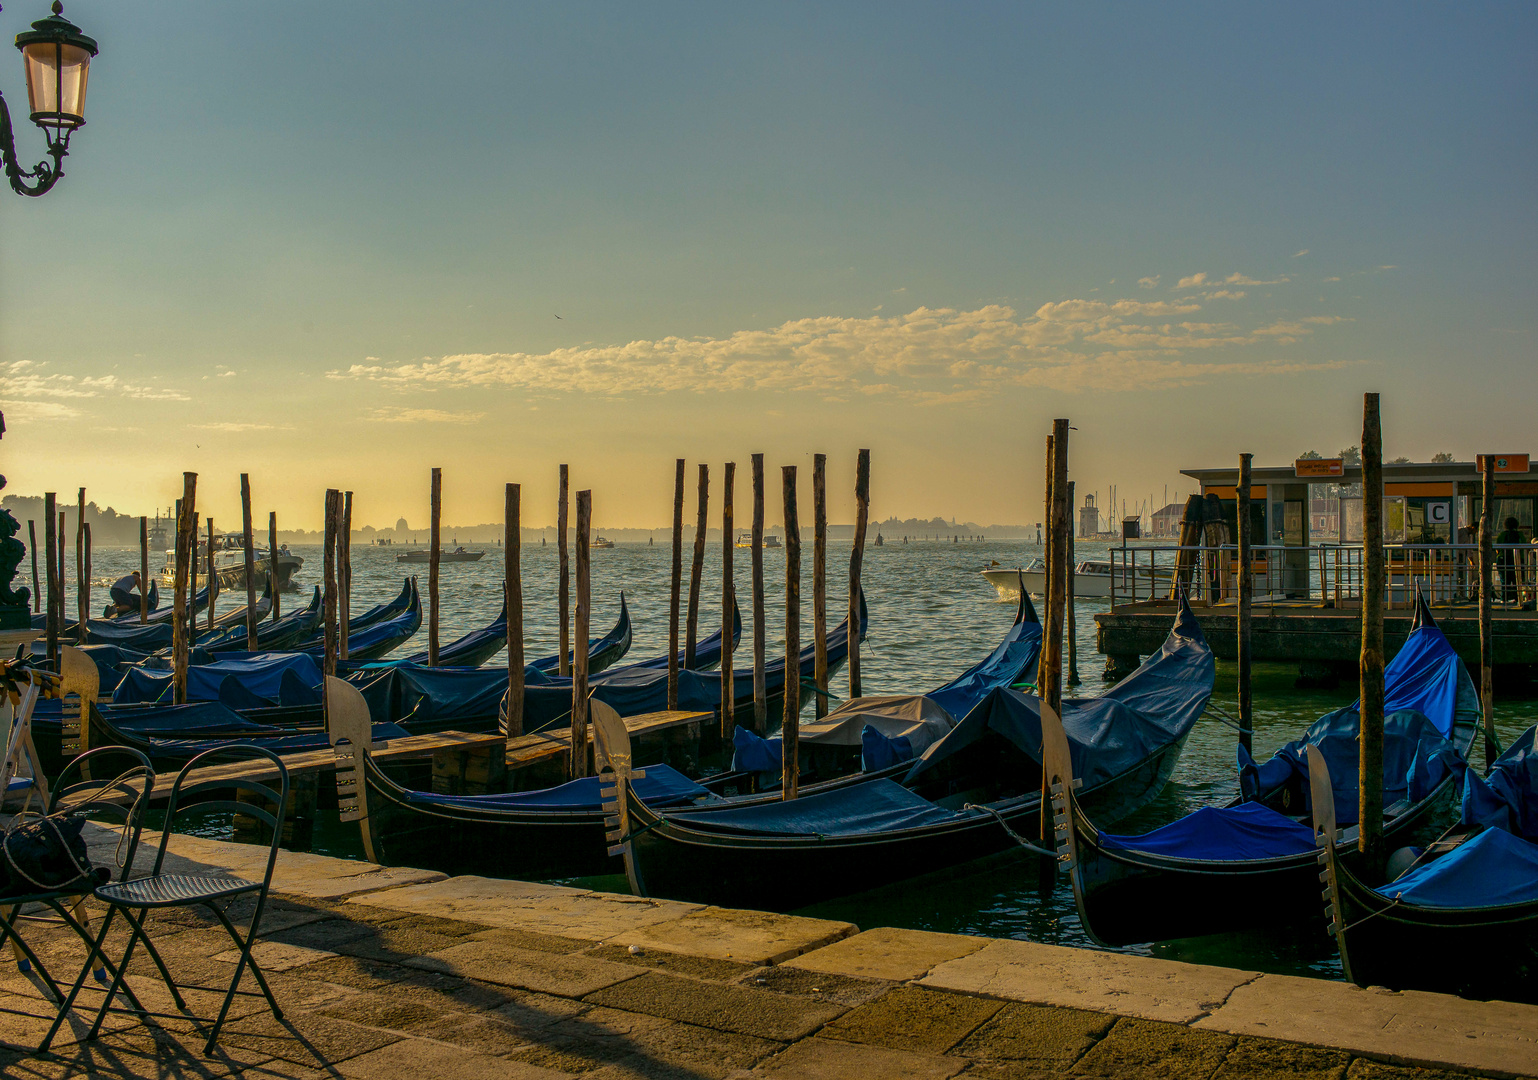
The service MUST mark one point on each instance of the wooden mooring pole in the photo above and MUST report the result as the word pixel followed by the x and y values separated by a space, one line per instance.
pixel 1046 566
pixel 213 577
pixel 790 723
pixel 272 558
pixel 37 591
pixel 144 570
pixel 820 583
pixel 1370 780
pixel 1486 610
pixel 579 638
pixel 677 582
pixel 329 603
pixel 1068 578
pixel 62 571
pixel 512 553
pixel 857 565
pixel 432 568
pixel 248 543
pixel 1246 590
pixel 563 587
pixel 1051 684
pixel 697 568
pixel 192 582
pixel 344 575
pixel 85 581
pixel 81 612
pixel 728 602
pixel 186 544
pixel 760 689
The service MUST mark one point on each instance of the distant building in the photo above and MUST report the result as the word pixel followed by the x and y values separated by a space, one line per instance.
pixel 401 526
pixel 1089 517
pixel 1166 520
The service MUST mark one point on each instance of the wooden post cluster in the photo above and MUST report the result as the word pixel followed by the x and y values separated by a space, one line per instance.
pixel 697 568
pixel 1486 612
pixel 186 543
pixel 857 565
pixel 760 687
pixel 1370 780
pixel 272 558
pixel 512 553
pixel 85 582
pixel 563 589
pixel 820 583
pixel 678 569
pixel 192 582
pixel 62 574
pixel 248 544
pixel 432 567
pixel 728 602
pixel 37 590
pixel 790 723
pixel 1246 590
pixel 580 638
pixel 344 574
pixel 144 569
pixel 329 601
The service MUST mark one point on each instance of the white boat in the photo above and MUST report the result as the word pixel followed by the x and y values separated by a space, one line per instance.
pixel 230 564
pixel 424 555
pixel 1092 579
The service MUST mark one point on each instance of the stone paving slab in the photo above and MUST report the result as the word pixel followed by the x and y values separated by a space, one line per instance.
pixel 422 1059
pixel 1138 986
pixel 828 1059
pixel 526 969
pixel 888 953
pixel 1408 1026
pixel 744 1010
pixel 751 937
pixel 547 909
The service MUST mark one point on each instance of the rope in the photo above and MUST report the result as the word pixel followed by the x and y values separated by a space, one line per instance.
pixel 1016 837
pixel 1231 721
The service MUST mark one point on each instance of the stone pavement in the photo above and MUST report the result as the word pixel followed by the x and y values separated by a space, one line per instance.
pixel 401 973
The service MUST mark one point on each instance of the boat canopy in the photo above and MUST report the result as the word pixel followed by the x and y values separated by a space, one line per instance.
pixel 1492 870
pixel 1148 710
pixel 1508 798
pixel 876 806
pixel 1228 834
pixel 260 674
pixel 662 786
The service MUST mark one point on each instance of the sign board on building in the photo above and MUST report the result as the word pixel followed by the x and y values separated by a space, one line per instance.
pixel 1504 463
pixel 1313 467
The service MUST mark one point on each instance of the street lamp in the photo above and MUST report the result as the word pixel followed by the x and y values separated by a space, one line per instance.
pixel 57 58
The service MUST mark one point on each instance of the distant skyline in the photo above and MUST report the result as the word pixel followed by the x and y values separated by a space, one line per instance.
pixel 337 246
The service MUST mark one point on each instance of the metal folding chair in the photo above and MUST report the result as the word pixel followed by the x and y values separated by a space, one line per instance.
pixel 136 898
pixel 112 782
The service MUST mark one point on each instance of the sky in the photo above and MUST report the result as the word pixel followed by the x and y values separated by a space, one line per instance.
pixel 337 245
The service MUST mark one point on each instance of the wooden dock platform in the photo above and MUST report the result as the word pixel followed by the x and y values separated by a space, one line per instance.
pixel 539 760
pixel 1318 639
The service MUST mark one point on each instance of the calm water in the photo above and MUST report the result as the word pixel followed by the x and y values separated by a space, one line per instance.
pixel 931 616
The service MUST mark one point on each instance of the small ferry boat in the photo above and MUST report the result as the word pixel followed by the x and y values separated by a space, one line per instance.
pixel 230 563
pixel 602 542
pixel 745 540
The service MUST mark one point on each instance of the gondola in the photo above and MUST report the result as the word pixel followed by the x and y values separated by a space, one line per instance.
pixel 274 636
pixel 968 796
pixel 1251 863
pixel 559 831
pixel 479 646
pixel 154 636
pixel 1463 917
pixel 403 602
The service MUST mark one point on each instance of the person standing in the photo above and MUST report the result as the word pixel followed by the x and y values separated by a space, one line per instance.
pixel 1506 558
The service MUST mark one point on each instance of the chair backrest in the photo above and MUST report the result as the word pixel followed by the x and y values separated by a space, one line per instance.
pixel 79 680
pixel 238 768
pixel 110 781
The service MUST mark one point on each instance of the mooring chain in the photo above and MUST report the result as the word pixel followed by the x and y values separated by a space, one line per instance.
pixel 1016 837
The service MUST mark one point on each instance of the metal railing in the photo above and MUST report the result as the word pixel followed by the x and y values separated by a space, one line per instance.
pixel 1327 575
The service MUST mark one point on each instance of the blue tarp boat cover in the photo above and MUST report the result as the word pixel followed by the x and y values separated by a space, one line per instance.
pixel 170 721
pixel 1150 709
pixel 1222 834
pixel 662 786
pixel 416 694
pixel 1015 654
pixel 876 806
pixel 878 752
pixel 1416 758
pixel 492 636
pixel 1427 691
pixel 1508 798
pixel 1491 870
pixel 261 674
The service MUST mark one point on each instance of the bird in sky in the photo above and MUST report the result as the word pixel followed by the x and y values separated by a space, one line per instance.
pixel 558 317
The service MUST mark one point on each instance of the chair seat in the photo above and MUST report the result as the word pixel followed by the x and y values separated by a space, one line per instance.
pixel 19 783
pixel 168 890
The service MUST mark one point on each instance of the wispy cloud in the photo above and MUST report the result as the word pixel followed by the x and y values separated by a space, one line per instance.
pixel 1300 254
pixel 1149 282
pixel 1193 281
pixel 929 354
pixel 233 426
pixel 401 415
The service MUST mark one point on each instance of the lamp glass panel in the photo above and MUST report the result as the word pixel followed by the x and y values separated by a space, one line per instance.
pixel 56 78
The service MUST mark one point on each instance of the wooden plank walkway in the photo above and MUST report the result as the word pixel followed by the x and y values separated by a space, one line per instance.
pixel 526 750
pixel 410 748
